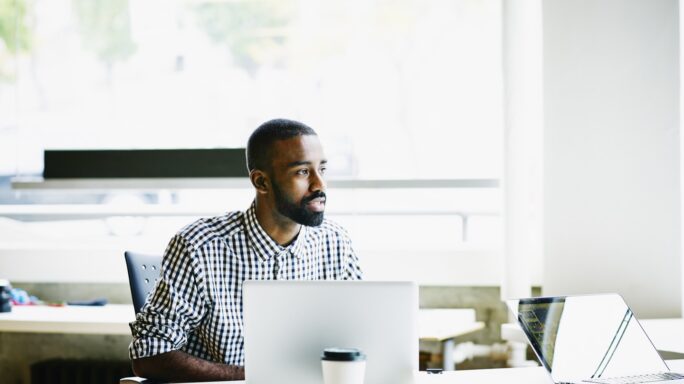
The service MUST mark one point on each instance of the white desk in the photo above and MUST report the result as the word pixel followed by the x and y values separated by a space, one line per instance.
pixel 535 375
pixel 110 319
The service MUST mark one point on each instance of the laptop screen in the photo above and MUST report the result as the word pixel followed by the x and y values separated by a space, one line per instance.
pixel 582 337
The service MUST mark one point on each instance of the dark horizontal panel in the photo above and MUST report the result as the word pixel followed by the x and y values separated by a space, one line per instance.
pixel 141 163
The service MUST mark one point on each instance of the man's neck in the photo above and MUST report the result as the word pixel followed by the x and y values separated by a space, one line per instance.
pixel 278 227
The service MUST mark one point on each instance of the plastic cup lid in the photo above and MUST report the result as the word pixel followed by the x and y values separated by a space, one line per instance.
pixel 342 354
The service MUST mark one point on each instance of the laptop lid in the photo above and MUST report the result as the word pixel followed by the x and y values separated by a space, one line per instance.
pixel 287 324
pixel 586 337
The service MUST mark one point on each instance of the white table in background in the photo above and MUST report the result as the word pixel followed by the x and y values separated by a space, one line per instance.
pixel 445 326
pixel 442 325
pixel 111 319
pixel 434 324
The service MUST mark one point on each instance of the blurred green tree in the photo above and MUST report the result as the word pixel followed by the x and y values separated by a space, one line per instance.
pixel 15 35
pixel 105 27
pixel 255 31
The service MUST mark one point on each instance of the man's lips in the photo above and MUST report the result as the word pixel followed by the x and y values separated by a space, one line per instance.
pixel 317 204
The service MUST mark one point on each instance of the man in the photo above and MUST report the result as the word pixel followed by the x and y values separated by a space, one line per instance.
pixel 191 327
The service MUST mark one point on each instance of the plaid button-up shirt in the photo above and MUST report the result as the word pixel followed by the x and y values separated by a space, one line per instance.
pixel 196 306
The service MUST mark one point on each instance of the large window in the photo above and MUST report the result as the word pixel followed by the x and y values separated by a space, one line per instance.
pixel 397 89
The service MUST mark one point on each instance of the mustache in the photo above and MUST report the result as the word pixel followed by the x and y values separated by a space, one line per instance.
pixel 315 195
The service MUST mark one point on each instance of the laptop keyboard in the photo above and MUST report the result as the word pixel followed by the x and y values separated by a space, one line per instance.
pixel 638 379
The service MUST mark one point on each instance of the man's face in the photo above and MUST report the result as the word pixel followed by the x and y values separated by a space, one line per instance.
pixel 298 165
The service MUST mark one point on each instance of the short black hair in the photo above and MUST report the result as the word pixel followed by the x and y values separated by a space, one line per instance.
pixel 259 143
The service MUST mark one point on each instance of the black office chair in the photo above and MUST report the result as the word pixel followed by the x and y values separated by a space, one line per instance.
pixel 143 272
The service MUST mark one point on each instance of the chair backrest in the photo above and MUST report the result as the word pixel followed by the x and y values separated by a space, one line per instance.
pixel 143 272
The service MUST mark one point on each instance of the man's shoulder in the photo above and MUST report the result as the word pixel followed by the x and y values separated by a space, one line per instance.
pixel 207 229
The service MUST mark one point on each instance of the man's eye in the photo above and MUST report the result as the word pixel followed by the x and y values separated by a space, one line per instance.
pixel 323 169
pixel 303 172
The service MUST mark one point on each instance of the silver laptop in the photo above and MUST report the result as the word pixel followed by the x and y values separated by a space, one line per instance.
pixel 590 339
pixel 287 324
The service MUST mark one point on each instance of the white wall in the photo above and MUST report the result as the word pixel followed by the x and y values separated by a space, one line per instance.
pixel 611 164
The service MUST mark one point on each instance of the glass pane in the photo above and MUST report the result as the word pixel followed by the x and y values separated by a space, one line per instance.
pixel 396 89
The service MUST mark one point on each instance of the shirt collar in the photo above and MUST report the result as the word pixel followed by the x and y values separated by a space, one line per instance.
pixel 264 245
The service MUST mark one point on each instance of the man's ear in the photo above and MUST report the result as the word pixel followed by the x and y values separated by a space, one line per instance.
pixel 260 181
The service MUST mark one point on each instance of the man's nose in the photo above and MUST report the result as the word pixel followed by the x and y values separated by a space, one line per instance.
pixel 317 182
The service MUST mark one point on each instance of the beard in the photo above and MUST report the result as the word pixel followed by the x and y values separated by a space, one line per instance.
pixel 298 212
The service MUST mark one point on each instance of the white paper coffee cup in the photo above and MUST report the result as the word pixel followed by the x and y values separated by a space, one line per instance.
pixel 343 366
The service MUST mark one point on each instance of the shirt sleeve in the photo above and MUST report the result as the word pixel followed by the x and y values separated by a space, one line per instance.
pixel 175 307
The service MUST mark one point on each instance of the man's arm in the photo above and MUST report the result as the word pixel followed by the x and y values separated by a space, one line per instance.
pixel 175 308
pixel 179 366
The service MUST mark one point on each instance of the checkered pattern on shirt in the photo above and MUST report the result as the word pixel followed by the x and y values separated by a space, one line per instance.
pixel 196 306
